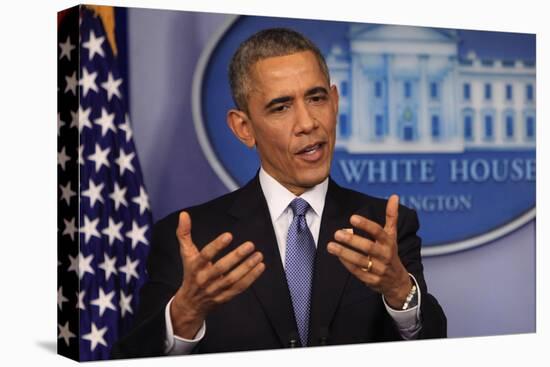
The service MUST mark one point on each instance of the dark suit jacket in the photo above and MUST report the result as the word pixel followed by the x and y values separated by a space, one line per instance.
pixel 343 310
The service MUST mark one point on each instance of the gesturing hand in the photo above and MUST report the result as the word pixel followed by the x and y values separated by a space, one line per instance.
pixel 206 284
pixel 376 263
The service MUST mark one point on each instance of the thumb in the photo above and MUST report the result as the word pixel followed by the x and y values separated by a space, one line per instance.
pixel 391 215
pixel 183 233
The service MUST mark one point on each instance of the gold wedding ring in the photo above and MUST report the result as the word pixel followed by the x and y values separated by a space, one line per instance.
pixel 369 267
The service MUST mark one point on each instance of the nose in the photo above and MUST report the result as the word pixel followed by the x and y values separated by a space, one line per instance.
pixel 305 121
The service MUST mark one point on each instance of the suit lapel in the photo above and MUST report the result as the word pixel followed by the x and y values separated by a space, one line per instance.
pixel 330 275
pixel 254 224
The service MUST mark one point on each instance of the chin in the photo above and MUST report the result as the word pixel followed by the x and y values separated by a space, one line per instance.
pixel 313 178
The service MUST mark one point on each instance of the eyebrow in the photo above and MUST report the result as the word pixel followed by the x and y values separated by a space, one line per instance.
pixel 283 99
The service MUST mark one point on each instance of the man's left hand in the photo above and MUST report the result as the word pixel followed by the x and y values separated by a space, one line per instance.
pixel 376 263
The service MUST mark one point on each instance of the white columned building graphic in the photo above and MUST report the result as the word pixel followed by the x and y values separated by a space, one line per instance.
pixel 405 89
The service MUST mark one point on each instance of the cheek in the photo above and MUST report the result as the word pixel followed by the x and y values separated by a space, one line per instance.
pixel 273 144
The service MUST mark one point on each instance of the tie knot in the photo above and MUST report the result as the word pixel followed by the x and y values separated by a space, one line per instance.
pixel 299 206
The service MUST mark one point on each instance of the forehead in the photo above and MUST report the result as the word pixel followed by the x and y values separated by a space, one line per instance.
pixel 287 74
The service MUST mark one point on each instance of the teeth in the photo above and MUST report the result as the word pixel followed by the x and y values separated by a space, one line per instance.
pixel 312 149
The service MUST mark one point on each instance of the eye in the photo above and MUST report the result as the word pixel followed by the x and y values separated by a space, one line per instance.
pixel 318 98
pixel 280 108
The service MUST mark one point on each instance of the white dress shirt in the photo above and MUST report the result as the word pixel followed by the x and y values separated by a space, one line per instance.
pixel 278 200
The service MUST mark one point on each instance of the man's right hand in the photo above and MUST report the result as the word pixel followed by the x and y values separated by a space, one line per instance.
pixel 206 284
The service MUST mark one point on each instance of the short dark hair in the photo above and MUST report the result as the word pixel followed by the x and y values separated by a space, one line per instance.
pixel 267 43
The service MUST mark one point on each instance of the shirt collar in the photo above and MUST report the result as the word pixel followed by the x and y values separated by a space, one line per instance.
pixel 278 197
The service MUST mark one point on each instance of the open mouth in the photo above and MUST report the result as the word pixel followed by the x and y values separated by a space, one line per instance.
pixel 312 152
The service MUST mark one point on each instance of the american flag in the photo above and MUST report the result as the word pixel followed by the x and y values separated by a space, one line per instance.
pixel 104 218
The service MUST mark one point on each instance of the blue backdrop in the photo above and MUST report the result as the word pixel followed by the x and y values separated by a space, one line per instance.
pixel 488 290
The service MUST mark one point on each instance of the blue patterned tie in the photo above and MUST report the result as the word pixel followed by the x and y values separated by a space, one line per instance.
pixel 300 254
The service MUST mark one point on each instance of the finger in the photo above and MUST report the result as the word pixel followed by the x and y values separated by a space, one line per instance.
pixel 183 233
pixel 391 215
pixel 229 261
pixel 213 248
pixel 347 254
pixel 372 228
pixel 359 243
pixel 369 278
pixel 234 276
pixel 242 284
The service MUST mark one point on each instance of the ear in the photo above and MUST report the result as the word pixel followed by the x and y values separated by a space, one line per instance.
pixel 241 126
pixel 334 96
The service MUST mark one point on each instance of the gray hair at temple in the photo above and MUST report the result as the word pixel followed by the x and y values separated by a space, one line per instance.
pixel 262 45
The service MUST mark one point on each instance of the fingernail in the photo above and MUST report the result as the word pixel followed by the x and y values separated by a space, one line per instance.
pixel 226 237
pixel 355 219
pixel 341 235
pixel 256 258
pixel 332 247
pixel 246 248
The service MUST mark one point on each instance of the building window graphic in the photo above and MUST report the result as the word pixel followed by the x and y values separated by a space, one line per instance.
pixel 466 92
pixel 509 95
pixel 407 89
pixel 488 127
pixel 488 91
pixel 378 89
pixel 529 92
pixel 530 127
pixel 509 125
pixel 344 89
pixel 434 92
pixel 436 128
pixel 468 127
pixel 344 126
pixel 379 126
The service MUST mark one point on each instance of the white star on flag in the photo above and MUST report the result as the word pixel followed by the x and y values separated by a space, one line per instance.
pixel 108 266
pixel 118 196
pixel 93 192
pixel 113 231
pixel 62 158
pixel 74 119
pixel 84 265
pixel 87 81
pixel 95 336
pixel 67 193
pixel 126 127
pixel 142 200
pixel 94 45
pixel 111 86
pixel 66 49
pixel 70 228
pixel 84 118
pixel 129 269
pixel 80 304
pixel 73 266
pixel 100 157
pixel 137 234
pixel 65 333
pixel 104 301
pixel 60 123
pixel 71 83
pixel 61 298
pixel 124 161
pixel 125 303
pixel 80 158
pixel 106 121
pixel 90 228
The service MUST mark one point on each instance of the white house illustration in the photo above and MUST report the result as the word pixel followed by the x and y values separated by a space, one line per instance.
pixel 404 89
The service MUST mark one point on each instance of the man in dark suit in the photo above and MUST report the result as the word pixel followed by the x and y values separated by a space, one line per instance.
pixel 291 258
